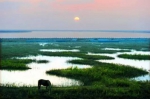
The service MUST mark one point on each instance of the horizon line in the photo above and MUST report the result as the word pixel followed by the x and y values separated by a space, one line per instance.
pixel 19 30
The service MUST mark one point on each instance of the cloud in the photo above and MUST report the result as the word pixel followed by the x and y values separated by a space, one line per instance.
pixel 74 2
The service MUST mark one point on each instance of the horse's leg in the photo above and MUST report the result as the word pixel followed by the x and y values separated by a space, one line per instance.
pixel 39 86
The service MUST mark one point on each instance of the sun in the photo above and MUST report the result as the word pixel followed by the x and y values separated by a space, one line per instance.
pixel 76 18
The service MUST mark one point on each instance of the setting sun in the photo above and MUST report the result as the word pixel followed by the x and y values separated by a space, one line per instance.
pixel 76 18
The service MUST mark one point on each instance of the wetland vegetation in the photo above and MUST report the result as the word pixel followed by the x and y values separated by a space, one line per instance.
pixel 136 90
pixel 101 81
pixel 99 72
pixel 15 64
pixel 76 54
pixel 135 56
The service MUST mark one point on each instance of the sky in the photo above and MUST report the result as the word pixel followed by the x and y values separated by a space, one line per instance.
pixel 60 14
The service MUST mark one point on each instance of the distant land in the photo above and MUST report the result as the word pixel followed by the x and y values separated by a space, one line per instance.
pixel 46 40
pixel 14 31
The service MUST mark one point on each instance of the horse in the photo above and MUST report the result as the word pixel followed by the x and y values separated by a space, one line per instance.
pixel 43 82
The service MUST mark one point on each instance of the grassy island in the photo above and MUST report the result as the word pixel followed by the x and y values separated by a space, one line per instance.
pixel 15 64
pixel 135 56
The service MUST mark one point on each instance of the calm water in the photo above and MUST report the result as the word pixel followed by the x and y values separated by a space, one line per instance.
pixel 75 34
pixel 31 76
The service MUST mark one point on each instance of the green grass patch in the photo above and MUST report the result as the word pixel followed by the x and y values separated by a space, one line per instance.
pixel 114 70
pixel 135 56
pixel 104 81
pixel 138 90
pixel 15 64
pixel 76 54
pixel 18 49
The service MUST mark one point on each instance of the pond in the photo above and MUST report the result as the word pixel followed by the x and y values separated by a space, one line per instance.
pixel 143 64
pixel 38 71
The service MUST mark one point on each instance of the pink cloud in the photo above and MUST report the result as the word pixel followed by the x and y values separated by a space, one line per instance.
pixel 100 5
pixel 86 6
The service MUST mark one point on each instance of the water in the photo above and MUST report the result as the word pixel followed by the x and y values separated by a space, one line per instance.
pixel 117 49
pixel 143 78
pixel 43 44
pixel 142 64
pixel 38 71
pixel 58 50
pixel 31 77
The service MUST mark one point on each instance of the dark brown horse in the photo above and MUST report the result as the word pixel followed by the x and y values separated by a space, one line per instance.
pixel 43 82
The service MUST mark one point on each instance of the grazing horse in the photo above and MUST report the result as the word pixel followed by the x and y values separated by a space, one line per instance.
pixel 43 82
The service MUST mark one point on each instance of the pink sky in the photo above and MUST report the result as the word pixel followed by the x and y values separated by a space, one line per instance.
pixel 59 14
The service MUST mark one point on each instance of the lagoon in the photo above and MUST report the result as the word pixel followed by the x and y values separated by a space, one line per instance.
pixel 38 71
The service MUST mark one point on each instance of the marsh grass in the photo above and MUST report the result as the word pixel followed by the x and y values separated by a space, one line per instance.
pixel 104 81
pixel 15 64
pixel 18 49
pixel 135 56
pixel 76 54
pixel 15 48
pixel 99 73
pixel 113 69
pixel 136 90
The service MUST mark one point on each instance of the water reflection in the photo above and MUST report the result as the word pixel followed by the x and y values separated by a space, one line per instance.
pixel 143 78
pixel 30 77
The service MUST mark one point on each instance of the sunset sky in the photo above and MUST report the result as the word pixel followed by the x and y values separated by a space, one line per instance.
pixel 60 14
